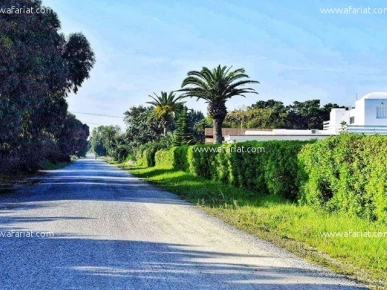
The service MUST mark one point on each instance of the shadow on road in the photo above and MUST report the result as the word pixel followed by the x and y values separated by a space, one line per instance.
pixel 82 263
pixel 88 179
pixel 95 262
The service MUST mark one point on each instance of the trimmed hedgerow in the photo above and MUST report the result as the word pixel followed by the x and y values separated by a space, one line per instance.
pixel 145 158
pixel 180 156
pixel 346 173
pixel 164 158
pixel 269 167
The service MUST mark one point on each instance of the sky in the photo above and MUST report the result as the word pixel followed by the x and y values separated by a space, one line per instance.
pixel 292 48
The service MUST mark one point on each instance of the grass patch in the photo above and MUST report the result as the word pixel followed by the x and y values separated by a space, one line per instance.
pixel 298 228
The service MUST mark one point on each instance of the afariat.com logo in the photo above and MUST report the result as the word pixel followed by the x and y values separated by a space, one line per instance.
pixel 26 234
pixel 24 10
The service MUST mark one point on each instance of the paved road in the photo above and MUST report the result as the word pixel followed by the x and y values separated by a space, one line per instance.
pixel 114 231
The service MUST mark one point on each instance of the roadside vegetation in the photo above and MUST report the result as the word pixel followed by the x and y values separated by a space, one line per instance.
pixel 323 200
pixel 39 68
pixel 310 232
pixel 168 122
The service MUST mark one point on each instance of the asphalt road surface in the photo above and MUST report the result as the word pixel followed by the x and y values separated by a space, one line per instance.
pixel 94 226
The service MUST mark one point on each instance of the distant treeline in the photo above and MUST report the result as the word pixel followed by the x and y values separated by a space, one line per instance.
pixel 274 114
pixel 144 134
pixel 39 67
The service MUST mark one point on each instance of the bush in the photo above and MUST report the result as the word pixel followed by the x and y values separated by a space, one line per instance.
pixel 273 171
pixel 346 173
pixel 164 158
pixel 145 154
pixel 180 158
pixel 145 158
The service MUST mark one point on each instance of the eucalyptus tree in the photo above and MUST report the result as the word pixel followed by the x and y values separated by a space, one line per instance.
pixel 39 66
pixel 165 107
pixel 216 87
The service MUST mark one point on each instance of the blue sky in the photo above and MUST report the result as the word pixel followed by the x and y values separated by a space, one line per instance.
pixel 293 50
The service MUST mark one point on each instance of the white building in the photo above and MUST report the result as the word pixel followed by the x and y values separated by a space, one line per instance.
pixel 369 116
pixel 277 134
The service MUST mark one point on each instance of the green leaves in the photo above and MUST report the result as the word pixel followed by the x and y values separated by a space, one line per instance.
pixel 216 87
pixel 37 70
pixel 165 106
pixel 346 173
pixel 272 171
pixel 80 60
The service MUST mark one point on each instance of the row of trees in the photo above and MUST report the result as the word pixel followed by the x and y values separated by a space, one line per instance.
pixel 167 122
pixel 39 67
pixel 147 130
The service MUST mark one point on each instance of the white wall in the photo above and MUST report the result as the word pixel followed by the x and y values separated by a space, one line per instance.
pixel 364 113
pixel 337 116
pixel 232 139
pixel 370 112
pixel 358 113
pixel 282 132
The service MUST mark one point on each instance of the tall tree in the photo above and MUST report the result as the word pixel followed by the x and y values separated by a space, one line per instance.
pixel 165 106
pixel 216 87
pixel 105 140
pixel 142 126
pixel 73 138
pixel 38 68
pixel 182 134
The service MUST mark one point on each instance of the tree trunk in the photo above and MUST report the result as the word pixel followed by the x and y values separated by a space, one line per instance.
pixel 217 130
pixel 165 131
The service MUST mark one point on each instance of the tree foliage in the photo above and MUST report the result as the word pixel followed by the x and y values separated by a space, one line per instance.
pixel 215 87
pixel 182 134
pixel 273 114
pixel 165 107
pixel 38 68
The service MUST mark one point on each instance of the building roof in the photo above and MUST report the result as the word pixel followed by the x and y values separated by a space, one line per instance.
pixel 376 95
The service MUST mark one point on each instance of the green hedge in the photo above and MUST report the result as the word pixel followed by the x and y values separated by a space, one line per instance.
pixel 346 173
pixel 145 158
pixel 341 173
pixel 145 154
pixel 181 155
pixel 164 158
pixel 271 169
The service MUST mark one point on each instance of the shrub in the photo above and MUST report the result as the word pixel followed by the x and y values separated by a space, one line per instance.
pixel 145 158
pixel 180 158
pixel 272 171
pixel 164 158
pixel 346 173
pixel 281 170
pixel 145 154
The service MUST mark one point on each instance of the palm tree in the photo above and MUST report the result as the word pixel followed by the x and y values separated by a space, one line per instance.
pixel 165 106
pixel 216 87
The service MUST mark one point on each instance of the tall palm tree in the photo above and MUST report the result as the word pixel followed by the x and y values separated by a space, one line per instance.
pixel 165 106
pixel 216 87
